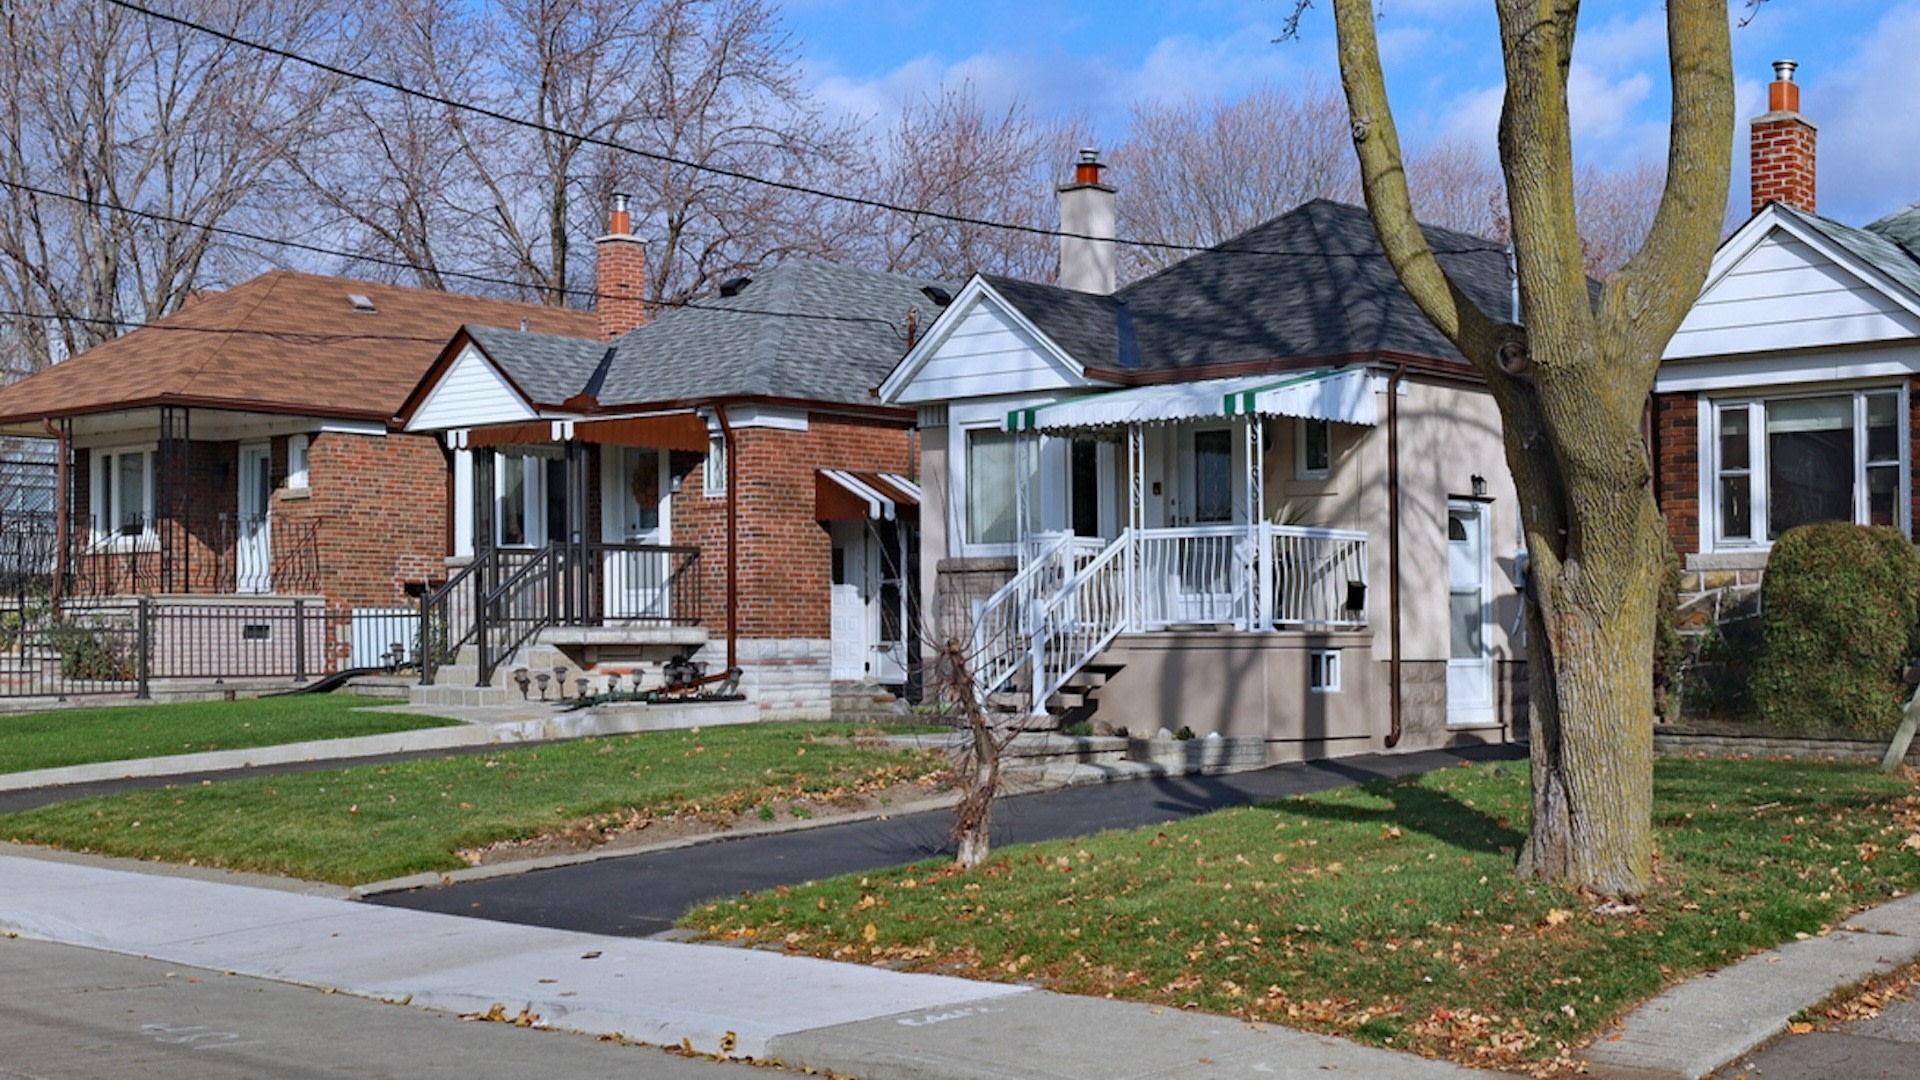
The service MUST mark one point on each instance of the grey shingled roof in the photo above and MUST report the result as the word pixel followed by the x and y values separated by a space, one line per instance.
pixel 1872 247
pixel 1902 227
pixel 801 330
pixel 547 368
pixel 1310 283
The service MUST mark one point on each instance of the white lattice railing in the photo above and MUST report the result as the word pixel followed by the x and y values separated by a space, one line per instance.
pixel 1002 642
pixel 1077 623
pixel 1316 577
pixel 1196 575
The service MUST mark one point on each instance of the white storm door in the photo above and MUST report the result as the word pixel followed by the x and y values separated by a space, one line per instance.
pixel 1469 608
pixel 635 501
pixel 253 541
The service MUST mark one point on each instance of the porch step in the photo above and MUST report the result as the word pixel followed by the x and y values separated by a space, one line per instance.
pixel 868 702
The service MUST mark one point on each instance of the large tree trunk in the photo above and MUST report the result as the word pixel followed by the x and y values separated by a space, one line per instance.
pixel 1572 386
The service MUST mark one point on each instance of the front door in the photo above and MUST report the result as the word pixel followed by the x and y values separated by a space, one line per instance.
pixel 253 543
pixel 635 502
pixel 1469 608
pixel 1204 552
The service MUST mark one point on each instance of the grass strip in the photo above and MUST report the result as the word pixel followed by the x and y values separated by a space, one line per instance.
pixel 375 822
pixel 59 737
pixel 1387 913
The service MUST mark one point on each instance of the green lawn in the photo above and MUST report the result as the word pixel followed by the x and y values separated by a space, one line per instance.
pixel 381 821
pixel 1388 913
pixel 45 740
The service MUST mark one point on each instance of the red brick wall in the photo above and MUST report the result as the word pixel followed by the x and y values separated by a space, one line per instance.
pixel 786 557
pixel 1782 162
pixel 620 279
pixel 381 505
pixel 1676 435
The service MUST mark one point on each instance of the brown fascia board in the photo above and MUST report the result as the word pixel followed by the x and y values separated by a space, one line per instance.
pixel 188 401
pixel 1414 361
pixel 883 412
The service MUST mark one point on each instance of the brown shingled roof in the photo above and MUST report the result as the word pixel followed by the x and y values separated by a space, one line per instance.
pixel 283 342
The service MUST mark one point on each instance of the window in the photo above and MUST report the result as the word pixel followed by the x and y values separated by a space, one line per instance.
pixel 527 500
pixel 713 478
pixel 1323 671
pixel 1781 462
pixel 296 461
pixel 123 492
pixel 993 460
pixel 1312 449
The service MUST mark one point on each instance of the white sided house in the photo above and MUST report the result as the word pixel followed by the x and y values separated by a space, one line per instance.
pixel 1787 395
pixel 1255 494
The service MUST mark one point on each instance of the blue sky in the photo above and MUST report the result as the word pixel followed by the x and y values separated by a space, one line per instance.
pixel 1859 70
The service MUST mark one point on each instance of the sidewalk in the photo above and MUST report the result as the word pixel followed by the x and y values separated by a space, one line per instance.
pixel 848 1018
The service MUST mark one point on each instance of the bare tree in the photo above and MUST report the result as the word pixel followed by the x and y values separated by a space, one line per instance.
pixel 1197 173
pixel 1616 212
pixel 1457 186
pixel 1571 385
pixel 951 154
pixel 126 142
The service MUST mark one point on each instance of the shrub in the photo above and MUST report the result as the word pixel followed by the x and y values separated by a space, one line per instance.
pixel 1838 624
pixel 92 653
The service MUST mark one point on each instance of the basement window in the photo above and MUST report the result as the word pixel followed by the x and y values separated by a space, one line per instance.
pixel 1323 671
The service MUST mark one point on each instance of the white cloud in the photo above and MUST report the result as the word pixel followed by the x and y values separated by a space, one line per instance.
pixel 1869 142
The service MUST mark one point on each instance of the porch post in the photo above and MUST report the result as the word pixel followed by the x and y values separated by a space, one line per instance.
pixel 1261 610
pixel 1023 443
pixel 576 539
pixel 1136 519
pixel 483 582
pixel 163 497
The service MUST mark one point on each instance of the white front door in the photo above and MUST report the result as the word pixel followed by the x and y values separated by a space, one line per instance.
pixel 1203 553
pixel 253 543
pixel 635 502
pixel 1469 610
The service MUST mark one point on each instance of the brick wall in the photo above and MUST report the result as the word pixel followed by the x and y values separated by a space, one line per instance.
pixel 786 557
pixel 381 505
pixel 1782 152
pixel 1676 426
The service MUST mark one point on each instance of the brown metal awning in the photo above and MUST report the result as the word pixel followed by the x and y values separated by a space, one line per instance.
pixel 665 431
pixel 853 494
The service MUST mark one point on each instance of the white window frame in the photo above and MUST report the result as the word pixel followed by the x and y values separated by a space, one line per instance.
pixel 297 462
pixel 1301 427
pixel 105 498
pixel 713 476
pixel 1047 510
pixel 1710 409
pixel 1323 671
pixel 533 499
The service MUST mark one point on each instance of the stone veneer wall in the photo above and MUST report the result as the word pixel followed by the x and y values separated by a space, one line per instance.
pixel 785 678
pixel 1740 746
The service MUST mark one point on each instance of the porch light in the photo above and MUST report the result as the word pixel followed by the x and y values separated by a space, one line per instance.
pixel 1479 486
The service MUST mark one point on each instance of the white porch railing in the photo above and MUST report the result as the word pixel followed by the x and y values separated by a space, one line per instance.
pixel 1075 595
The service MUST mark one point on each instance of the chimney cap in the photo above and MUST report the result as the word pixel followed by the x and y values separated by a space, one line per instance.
pixel 1783 70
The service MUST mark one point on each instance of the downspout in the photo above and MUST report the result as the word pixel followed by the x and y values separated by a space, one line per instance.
pixel 62 515
pixel 1394 706
pixel 733 535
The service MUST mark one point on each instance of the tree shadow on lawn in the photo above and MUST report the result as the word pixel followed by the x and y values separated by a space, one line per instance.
pixel 1415 807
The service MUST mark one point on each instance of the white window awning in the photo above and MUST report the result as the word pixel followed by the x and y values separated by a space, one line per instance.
pixel 1343 395
pixel 1340 394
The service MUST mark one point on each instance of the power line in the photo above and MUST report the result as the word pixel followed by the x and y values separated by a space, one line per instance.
pixel 717 170
pixel 402 264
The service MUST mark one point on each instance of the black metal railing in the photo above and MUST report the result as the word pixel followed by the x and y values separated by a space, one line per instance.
pixel 218 553
pixel 644 584
pixel 522 605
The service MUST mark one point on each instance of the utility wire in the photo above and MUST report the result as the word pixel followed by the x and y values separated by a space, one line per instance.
pixel 716 170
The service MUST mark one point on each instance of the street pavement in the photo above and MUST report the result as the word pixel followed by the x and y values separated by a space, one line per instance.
pixel 1884 1048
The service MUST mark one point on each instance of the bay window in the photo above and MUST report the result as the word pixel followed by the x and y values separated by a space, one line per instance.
pixel 1778 462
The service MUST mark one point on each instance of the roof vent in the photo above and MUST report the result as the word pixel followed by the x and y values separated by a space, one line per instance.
pixel 360 301
pixel 735 287
pixel 937 294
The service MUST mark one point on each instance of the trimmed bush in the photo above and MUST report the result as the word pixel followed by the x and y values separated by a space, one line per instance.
pixel 1839 622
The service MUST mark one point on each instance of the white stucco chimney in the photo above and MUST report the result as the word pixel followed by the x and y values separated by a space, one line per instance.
pixel 1088 256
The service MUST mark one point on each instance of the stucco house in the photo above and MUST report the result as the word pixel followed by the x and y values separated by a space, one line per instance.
pixel 717 482
pixel 1787 394
pixel 237 459
pixel 1254 494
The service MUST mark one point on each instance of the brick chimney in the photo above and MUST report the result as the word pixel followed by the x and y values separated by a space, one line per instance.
pixel 1087 250
pixel 1782 145
pixel 619 274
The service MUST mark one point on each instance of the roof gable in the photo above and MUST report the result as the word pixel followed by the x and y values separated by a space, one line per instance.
pixel 1787 280
pixel 470 393
pixel 983 345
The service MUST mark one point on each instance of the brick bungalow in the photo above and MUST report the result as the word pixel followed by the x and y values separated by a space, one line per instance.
pixel 1787 395
pixel 241 448
pixel 718 481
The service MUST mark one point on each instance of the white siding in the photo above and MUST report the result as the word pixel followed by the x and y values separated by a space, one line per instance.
pixel 988 354
pixel 470 394
pixel 1785 295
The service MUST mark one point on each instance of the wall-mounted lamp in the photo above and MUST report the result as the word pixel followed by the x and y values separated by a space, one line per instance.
pixel 1479 486
pixel 673 484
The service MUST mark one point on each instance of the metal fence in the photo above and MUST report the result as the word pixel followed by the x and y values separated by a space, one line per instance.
pixel 125 645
